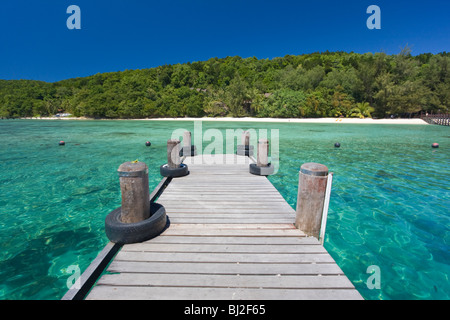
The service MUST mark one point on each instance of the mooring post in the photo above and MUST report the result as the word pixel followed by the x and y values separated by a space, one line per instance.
pixel 245 149
pixel 245 138
pixel 135 192
pixel 312 187
pixel 188 149
pixel 263 153
pixel 174 168
pixel 262 167
pixel 187 139
pixel 173 153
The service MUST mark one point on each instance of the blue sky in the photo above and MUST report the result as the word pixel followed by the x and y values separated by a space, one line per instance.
pixel 116 35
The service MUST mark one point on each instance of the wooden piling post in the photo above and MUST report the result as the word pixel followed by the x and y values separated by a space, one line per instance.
pixel 245 138
pixel 173 153
pixel 263 153
pixel 245 149
pixel 311 196
pixel 188 150
pixel 262 167
pixel 135 192
pixel 187 140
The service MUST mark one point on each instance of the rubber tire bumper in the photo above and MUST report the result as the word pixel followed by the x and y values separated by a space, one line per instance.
pixel 261 171
pixel 188 151
pixel 174 172
pixel 126 233
pixel 244 150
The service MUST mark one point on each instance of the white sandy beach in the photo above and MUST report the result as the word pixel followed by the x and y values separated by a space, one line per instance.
pixel 311 120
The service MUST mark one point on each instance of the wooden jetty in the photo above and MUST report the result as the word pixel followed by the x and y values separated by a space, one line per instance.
pixel 439 119
pixel 231 236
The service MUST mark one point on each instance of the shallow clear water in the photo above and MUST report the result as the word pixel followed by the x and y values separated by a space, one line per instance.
pixel 389 205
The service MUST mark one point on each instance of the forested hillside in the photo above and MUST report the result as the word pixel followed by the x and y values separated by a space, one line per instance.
pixel 329 84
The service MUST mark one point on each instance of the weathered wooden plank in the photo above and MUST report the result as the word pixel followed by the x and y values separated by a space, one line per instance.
pixel 222 268
pixel 236 240
pixel 226 281
pixel 220 202
pixel 260 186
pixel 234 232
pixel 236 192
pixel 173 204
pixel 224 248
pixel 231 219
pixel 179 293
pixel 229 185
pixel 230 179
pixel 235 177
pixel 251 213
pixel 218 159
pixel 214 213
pixel 224 197
pixel 219 221
pixel 219 172
pixel 194 190
pixel 238 218
pixel 254 199
pixel 208 213
pixel 186 207
pixel 225 257
pixel 279 226
pixel 238 184
pixel 224 209
pixel 224 182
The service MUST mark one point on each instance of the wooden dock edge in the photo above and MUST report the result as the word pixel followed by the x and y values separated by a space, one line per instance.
pixel 92 273
pixel 96 268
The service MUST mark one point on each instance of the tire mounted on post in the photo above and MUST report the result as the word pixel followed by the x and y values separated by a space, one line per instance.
pixel 126 233
pixel 261 171
pixel 166 171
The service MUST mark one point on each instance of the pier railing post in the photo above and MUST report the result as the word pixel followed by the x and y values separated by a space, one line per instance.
pixel 135 192
pixel 312 187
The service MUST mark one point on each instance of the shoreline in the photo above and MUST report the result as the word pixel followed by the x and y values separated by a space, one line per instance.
pixel 415 121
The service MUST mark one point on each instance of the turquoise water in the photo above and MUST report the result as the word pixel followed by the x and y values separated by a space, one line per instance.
pixel 389 206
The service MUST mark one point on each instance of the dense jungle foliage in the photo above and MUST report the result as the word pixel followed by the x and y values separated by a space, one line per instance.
pixel 329 84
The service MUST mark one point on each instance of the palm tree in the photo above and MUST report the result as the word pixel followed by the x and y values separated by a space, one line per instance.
pixel 362 110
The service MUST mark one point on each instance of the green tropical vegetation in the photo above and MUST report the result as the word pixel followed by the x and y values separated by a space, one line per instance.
pixel 328 84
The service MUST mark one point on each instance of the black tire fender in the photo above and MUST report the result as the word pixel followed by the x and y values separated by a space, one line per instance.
pixel 126 233
pixel 174 172
pixel 261 171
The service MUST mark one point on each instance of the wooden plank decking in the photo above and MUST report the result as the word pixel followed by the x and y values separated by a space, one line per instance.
pixel 231 236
